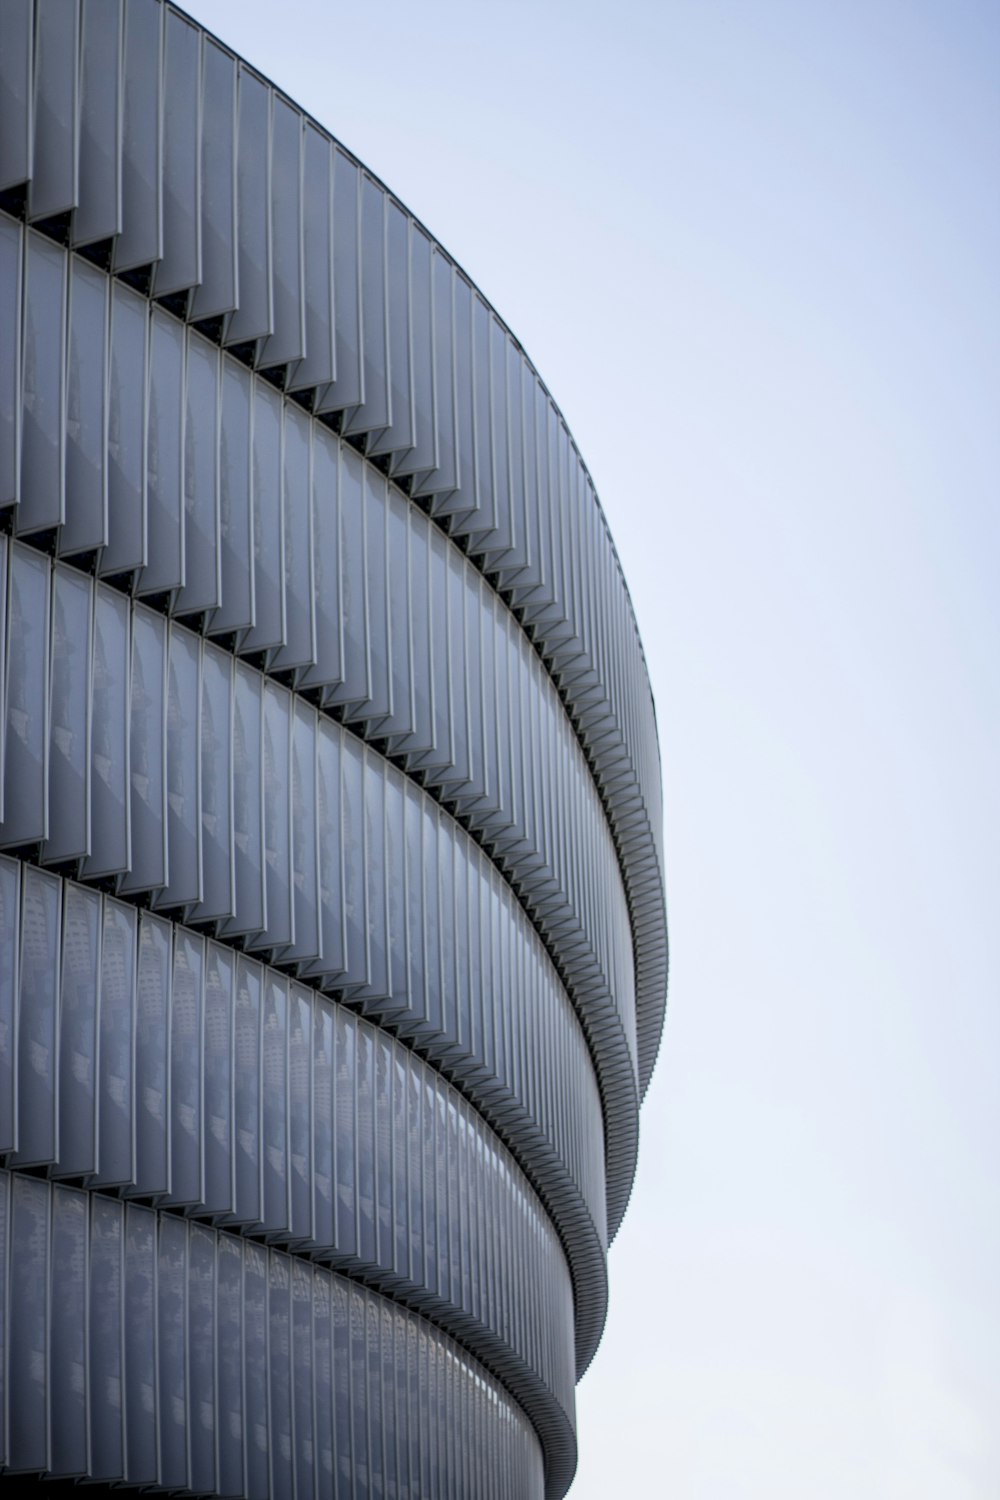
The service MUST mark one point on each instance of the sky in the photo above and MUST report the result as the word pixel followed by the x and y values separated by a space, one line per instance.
pixel 753 249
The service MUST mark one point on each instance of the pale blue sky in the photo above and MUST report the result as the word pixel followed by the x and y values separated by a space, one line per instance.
pixel 753 249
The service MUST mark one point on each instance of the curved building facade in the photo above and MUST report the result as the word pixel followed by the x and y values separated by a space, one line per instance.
pixel 332 936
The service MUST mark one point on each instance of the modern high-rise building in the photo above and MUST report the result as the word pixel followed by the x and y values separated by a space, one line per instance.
pixel 332 937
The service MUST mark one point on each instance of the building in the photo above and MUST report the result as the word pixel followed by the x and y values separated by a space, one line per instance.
pixel 332 937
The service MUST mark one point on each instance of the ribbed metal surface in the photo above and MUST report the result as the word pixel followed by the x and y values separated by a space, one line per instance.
pixel 225 204
pixel 333 904
pixel 214 498
pixel 142 1058
pixel 143 1348
pixel 148 756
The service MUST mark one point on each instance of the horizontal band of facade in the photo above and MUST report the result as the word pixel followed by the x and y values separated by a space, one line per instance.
pixel 303 556
pixel 146 1060
pixel 141 1348
pixel 137 752
pixel 224 206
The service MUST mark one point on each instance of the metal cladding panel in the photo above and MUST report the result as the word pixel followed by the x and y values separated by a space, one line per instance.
pixel 98 214
pixel 167 1308
pixel 382 721
pixel 86 521
pixel 43 424
pixel 53 184
pixel 179 265
pixel 125 549
pixel 216 292
pixel 201 590
pixel 16 92
pixel 140 243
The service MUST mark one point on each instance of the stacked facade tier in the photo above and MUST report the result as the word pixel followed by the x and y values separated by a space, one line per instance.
pixel 332 941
